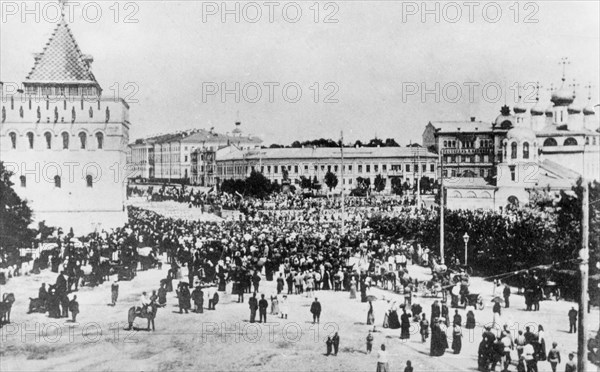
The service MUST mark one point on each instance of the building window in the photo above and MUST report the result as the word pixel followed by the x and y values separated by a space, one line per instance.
pixel 268 169
pixel 276 169
pixel 512 173
pixel 30 139
pixel 82 139
pixel 65 140
pixel 526 150
pixel 376 168
pixel 23 180
pixel 48 137
pixel 513 150
pixel 549 142
pixel 384 167
pixel 570 142
pixel 481 173
pixel 360 168
pixel 306 168
pixel 13 140
pixel 408 167
pixel 296 169
pixel 424 168
pixel 350 170
pixel 445 143
pixel 89 180
pixel 100 141
pixel 368 168
pixel 57 182
pixel 432 167
pixel 185 158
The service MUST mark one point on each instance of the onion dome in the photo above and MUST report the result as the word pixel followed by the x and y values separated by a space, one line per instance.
pixel 505 120
pixel 562 97
pixel 574 109
pixel 521 134
pixel 589 110
pixel 520 107
pixel 537 110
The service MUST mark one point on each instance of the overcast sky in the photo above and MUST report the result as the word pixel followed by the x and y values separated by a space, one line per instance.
pixel 376 53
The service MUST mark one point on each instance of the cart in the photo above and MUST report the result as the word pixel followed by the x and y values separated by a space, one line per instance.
pixel 473 299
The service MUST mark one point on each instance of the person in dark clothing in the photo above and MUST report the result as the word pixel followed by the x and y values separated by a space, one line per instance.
pixel 74 308
pixel 290 282
pixel 253 304
pixel 457 318
pixel 114 292
pixel 315 309
pixel 183 295
pixel 573 320
pixel 329 343
pixel 256 281
pixel 506 293
pixel 336 343
pixel 280 283
pixel 263 304
pixel 198 298
pixel 497 308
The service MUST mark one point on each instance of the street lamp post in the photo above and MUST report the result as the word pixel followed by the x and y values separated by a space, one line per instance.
pixel 466 239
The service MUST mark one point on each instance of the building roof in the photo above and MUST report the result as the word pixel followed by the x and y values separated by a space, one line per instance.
pixel 461 126
pixel 328 152
pixel 61 61
pixel 552 130
pixel 203 135
pixel 555 170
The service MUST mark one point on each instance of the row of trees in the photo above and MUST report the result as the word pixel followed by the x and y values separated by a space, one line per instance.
pixel 322 142
pixel 546 232
pixel 256 185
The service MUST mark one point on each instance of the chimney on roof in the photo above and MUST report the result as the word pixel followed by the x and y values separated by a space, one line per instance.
pixel 472 119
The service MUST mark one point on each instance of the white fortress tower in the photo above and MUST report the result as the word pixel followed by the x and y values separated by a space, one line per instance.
pixel 64 142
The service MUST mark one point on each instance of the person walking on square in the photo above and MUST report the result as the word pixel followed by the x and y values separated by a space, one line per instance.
pixel 409 367
pixel 329 343
pixel 369 342
pixel 424 328
pixel 74 308
pixel 315 309
pixel 382 360
pixel 114 292
pixel 253 304
pixel 571 366
pixel 263 304
pixel 573 320
pixel 506 293
pixel 554 357
pixel 336 343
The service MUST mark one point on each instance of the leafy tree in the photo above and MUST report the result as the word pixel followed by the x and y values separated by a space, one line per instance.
pixel 15 215
pixel 379 183
pixel 305 183
pixel 258 185
pixel 331 180
pixel 390 142
pixel 363 183
pixel 396 185
pixel 426 185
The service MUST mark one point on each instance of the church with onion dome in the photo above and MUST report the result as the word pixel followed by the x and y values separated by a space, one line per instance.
pixel 547 146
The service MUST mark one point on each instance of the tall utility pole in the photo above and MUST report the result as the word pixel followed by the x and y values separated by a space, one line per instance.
pixel 442 207
pixel 418 177
pixel 343 186
pixel 584 271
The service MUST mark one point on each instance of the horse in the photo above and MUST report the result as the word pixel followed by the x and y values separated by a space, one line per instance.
pixel 7 301
pixel 437 268
pixel 148 312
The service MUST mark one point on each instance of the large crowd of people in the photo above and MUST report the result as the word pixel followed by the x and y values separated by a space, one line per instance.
pixel 299 243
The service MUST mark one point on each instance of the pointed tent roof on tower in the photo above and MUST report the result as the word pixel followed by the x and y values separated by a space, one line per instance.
pixel 61 61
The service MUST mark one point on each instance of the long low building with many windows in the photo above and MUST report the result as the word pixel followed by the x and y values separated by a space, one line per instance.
pixel 406 164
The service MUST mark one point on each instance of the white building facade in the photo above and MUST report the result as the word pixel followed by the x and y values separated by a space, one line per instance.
pixel 66 143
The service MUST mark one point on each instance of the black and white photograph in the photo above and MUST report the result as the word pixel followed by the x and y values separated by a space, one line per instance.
pixel 309 185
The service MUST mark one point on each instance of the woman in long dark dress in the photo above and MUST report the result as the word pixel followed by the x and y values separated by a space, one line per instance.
pixel 393 321
pixel 326 286
pixel 470 320
pixel 370 316
pixel 456 339
pixel 434 345
pixel 405 325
